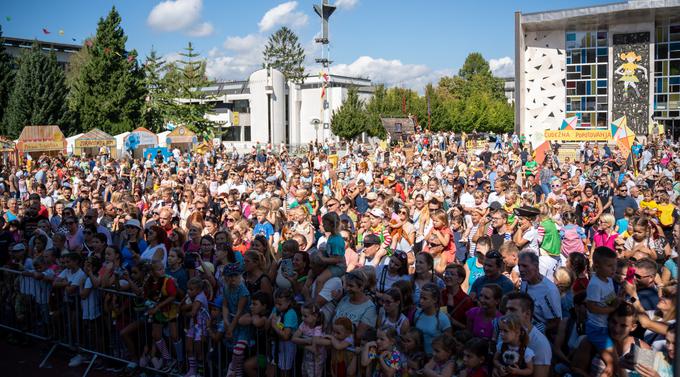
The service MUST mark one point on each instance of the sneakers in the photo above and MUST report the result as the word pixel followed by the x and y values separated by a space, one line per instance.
pixel 76 361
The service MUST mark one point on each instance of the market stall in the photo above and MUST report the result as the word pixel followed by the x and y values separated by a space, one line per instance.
pixel 182 138
pixel 95 142
pixel 38 140
pixel 138 140
pixel 8 150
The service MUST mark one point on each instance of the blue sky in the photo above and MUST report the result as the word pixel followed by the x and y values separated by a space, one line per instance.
pixel 400 42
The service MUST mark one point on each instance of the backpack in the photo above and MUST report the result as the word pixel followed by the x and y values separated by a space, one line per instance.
pixel 571 241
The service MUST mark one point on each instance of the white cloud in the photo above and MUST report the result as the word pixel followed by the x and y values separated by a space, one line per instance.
pixel 346 4
pixel 283 14
pixel 203 29
pixel 230 67
pixel 503 67
pixel 244 43
pixel 173 15
pixel 391 72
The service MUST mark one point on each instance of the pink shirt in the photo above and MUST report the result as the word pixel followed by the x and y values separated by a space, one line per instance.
pixel 481 327
pixel 603 239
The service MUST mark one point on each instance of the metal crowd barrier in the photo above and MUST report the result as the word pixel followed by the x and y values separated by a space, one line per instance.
pixel 112 328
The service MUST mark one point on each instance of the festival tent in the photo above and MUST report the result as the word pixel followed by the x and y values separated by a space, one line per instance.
pixel 8 150
pixel 182 138
pixel 163 138
pixel 38 140
pixel 92 143
pixel 138 140
pixel 120 142
pixel 71 143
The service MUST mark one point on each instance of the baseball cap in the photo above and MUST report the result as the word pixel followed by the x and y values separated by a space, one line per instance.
pixel 377 212
pixel 371 239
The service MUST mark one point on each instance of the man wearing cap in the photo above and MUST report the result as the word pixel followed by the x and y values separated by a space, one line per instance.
pixel 371 254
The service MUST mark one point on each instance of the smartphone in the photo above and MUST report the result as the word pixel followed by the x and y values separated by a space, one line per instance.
pixel 643 356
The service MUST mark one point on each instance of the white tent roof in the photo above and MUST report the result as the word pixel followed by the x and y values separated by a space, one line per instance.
pixel 71 142
pixel 162 138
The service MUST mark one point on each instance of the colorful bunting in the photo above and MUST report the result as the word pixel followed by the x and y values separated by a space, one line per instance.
pixel 88 43
pixel 61 32
pixel 45 31
pixel 130 58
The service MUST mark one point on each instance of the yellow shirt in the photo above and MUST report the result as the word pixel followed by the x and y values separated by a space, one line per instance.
pixel 650 204
pixel 666 213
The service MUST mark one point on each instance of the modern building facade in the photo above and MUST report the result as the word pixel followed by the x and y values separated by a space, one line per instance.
pixel 63 51
pixel 598 64
pixel 268 109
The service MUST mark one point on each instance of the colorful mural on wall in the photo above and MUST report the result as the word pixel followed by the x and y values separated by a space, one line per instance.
pixel 630 84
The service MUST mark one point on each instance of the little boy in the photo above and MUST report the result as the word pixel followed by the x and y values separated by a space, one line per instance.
pixel 601 299
pixel 263 226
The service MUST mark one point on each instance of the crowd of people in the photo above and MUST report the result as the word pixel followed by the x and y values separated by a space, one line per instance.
pixel 427 259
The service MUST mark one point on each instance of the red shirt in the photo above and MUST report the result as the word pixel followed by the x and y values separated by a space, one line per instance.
pixel 461 304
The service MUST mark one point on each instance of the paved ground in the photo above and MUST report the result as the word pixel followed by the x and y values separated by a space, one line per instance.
pixel 24 361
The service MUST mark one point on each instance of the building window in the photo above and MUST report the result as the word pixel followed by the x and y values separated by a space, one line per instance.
pixel 586 83
pixel 667 72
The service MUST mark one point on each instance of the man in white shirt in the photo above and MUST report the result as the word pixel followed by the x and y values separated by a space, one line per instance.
pixel 546 296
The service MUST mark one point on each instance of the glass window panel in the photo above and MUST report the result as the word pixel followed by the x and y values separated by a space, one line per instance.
pixel 674 101
pixel 602 120
pixel 602 38
pixel 601 71
pixel 601 83
pixel 581 88
pixel 658 68
pixel 662 51
pixel 591 56
pixel 661 34
pixel 576 56
pixel 602 59
pixel 675 54
pixel 602 51
pixel 674 88
pixel 601 90
pixel 674 67
pixel 571 69
pixel 585 72
pixel 573 76
pixel 674 46
pixel 590 103
pixel 571 36
pixel 571 92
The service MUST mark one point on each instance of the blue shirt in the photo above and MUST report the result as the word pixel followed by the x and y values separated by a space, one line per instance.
pixel 266 229
pixel 431 326
pixel 621 203
pixel 502 281
pixel 289 319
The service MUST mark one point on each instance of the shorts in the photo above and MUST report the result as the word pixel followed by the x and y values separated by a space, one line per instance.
pixel 337 270
pixel 599 337
pixel 196 332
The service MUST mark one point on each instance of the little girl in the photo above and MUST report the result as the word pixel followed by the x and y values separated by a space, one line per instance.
pixel 514 358
pixel 342 361
pixel 439 241
pixel 459 239
pixel 429 319
pixel 391 314
pixel 284 322
pixel 480 319
pixel 260 309
pixel 161 292
pixel 384 349
pixel 197 303
pixel 573 236
pixel 441 364
pixel 474 358
pixel 412 346
pixel 334 254
pixel 314 357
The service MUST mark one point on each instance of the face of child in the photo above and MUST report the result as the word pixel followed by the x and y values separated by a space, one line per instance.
pixel 193 290
pixel 309 317
pixel 157 270
pixel 639 233
pixel 620 327
pixel 339 332
pixel 260 216
pixel 440 353
pixel 232 280
pixel 281 304
pixel 172 258
pixel 437 223
pixel 471 360
pixel 39 267
pixel 383 342
pixel 426 300
pixel 508 335
pixel 408 343
pixel 606 267
pixel 486 299
pixel 256 307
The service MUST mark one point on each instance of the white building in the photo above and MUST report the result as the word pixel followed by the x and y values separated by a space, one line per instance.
pixel 267 109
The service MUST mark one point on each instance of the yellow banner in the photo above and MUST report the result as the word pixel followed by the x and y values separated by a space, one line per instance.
pixel 578 135
pixel 236 119
pixel 35 146
pixel 95 143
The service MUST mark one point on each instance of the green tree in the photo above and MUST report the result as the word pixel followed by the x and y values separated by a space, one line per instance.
pixel 474 64
pixel 109 91
pixel 6 79
pixel 284 53
pixel 350 120
pixel 39 93
pixel 155 106
pixel 184 98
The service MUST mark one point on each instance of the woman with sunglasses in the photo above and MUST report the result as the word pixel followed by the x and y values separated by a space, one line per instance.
pixel 403 232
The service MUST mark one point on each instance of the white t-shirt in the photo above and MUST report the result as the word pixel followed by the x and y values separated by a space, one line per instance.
pixel 547 266
pixel 73 278
pixel 42 288
pixel 91 304
pixel 599 292
pixel 532 236
pixel 151 250
pixel 547 302
pixel 538 348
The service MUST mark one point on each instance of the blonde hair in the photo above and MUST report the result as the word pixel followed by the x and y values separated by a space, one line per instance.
pixel 608 218
pixel 630 54
pixel 441 216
